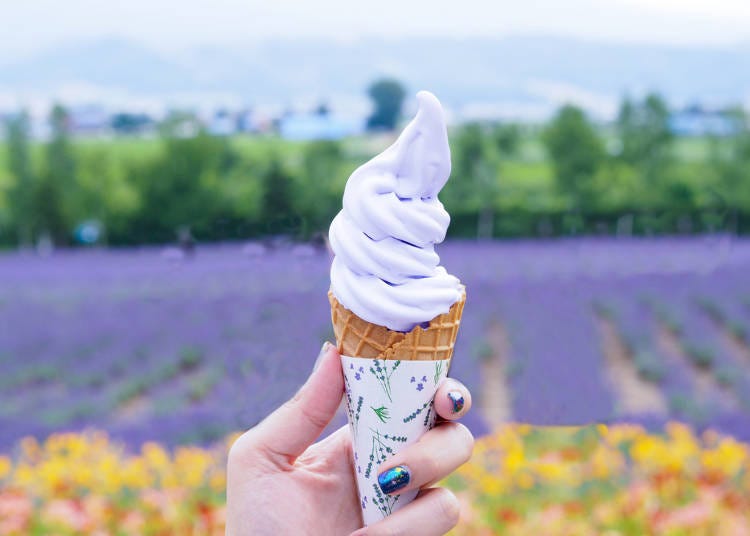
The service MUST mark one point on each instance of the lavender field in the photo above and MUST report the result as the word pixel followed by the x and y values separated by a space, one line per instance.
pixel 148 344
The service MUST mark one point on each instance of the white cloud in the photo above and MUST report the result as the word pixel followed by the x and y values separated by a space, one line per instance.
pixel 169 24
pixel 715 8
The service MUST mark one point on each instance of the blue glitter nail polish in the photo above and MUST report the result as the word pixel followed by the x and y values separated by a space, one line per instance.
pixel 457 400
pixel 394 479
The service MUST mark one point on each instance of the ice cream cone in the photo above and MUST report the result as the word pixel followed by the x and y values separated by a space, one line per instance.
pixel 391 379
pixel 358 338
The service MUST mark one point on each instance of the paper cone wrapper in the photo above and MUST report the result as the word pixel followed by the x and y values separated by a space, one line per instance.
pixel 389 394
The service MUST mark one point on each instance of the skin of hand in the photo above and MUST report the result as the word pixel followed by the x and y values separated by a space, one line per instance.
pixel 280 482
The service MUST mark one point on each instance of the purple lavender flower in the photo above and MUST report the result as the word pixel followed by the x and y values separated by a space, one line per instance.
pixel 116 327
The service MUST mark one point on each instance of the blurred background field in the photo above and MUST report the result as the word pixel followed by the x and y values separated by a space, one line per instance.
pixel 165 192
pixel 521 480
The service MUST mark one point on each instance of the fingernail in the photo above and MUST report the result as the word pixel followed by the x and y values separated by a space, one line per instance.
pixel 394 479
pixel 457 399
pixel 323 351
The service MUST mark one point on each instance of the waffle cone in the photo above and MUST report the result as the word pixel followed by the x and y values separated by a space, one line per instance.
pixel 358 338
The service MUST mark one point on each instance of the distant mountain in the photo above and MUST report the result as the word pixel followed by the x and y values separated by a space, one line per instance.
pixel 113 63
pixel 521 74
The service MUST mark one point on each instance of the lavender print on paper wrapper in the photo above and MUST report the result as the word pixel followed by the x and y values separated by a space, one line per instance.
pixel 387 411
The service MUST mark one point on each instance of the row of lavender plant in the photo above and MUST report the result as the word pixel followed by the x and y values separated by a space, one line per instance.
pixel 149 346
pixel 559 375
pixel 637 327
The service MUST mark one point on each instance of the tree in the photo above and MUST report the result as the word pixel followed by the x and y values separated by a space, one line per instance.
pixel 645 135
pixel 576 150
pixel 19 164
pixel 731 159
pixel 387 96
pixel 507 137
pixel 323 181
pixel 56 186
pixel 277 210
pixel 180 124
pixel 180 187
pixel 474 185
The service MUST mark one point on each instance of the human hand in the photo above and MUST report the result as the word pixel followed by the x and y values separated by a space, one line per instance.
pixel 279 482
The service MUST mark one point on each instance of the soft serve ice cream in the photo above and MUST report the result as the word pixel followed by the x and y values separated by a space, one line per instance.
pixel 395 311
pixel 386 269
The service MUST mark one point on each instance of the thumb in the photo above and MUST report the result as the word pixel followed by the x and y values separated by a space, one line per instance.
pixel 288 431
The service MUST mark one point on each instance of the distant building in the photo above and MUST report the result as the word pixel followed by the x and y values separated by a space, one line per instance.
pixel 222 123
pixel 39 127
pixel 317 127
pixel 246 121
pixel 126 123
pixel 696 121
pixel 89 121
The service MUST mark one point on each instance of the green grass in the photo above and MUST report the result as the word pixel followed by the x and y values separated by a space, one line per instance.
pixel 528 166
pixel 260 146
pixel 531 149
pixel 693 149
pixel 120 147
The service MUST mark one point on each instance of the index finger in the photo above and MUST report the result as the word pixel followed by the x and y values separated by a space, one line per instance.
pixel 452 400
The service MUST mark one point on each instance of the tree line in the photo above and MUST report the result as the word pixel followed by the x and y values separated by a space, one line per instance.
pixel 627 177
pixel 631 177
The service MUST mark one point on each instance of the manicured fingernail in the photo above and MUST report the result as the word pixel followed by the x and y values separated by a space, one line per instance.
pixel 323 351
pixel 457 399
pixel 394 479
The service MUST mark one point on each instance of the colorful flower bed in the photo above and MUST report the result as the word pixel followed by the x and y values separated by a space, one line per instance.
pixel 86 484
pixel 521 480
pixel 597 480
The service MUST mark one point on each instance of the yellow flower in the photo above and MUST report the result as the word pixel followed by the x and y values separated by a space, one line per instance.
pixel 675 453
pixel 552 470
pixel 155 455
pixel 606 462
pixel 514 459
pixel 192 464
pixel 490 485
pixel 218 481
pixel 727 459
pixel 5 466
pixel 524 429
pixel 25 475
pixel 525 481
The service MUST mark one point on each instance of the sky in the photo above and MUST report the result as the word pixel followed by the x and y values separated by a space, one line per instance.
pixel 32 25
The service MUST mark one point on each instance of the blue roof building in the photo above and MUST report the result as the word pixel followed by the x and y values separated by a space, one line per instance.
pixel 697 122
pixel 317 127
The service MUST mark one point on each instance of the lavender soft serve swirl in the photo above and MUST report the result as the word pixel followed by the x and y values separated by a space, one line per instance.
pixel 386 269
